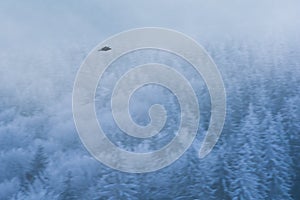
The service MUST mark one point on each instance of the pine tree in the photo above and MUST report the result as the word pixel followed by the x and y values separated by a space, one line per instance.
pixel 291 125
pixel 36 170
pixel 34 184
pixel 244 181
pixel 68 193
pixel 279 162
pixel 115 185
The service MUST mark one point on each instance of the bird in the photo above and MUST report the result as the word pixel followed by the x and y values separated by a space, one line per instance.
pixel 106 48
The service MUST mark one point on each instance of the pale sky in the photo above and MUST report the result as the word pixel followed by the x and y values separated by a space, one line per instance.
pixel 37 22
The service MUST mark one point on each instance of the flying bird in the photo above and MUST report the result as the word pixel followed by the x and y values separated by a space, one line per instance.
pixel 106 48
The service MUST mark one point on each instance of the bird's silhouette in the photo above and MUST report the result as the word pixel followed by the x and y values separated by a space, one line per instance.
pixel 106 48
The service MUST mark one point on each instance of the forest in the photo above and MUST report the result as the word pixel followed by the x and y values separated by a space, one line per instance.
pixel 256 157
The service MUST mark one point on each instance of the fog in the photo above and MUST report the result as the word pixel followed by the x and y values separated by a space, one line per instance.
pixel 255 44
pixel 72 22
